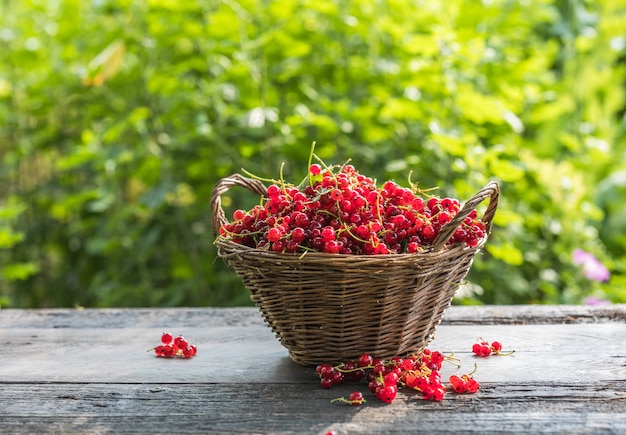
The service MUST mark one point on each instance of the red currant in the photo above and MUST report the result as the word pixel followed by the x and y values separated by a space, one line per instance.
pixel 472 385
pixel 387 393
pixel 180 343
pixel 485 350
pixel 391 378
pixel 168 351
pixel 273 191
pixel 328 234
pixel 273 235
pixel 365 360
pixel 315 169
pixel 496 346
pixel 458 384
pixel 336 195
pixel 356 398
pixel 326 382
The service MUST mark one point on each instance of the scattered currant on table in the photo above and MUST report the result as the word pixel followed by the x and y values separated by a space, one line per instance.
pixel 420 372
pixel 337 210
pixel 484 348
pixel 172 347
pixel 355 399
pixel 464 383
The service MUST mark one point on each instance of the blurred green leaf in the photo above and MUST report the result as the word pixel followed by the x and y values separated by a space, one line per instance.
pixel 8 237
pixel 507 253
pixel 19 271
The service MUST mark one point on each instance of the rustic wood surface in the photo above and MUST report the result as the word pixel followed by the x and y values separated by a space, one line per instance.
pixel 87 371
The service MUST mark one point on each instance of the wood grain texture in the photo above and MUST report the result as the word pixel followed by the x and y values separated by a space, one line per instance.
pixel 245 316
pixel 301 409
pixel 535 314
pixel 543 352
pixel 87 371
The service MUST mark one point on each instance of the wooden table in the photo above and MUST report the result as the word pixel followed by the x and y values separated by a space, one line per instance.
pixel 87 371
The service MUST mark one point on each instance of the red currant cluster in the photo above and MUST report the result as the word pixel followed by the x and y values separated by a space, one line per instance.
pixel 464 383
pixel 484 349
pixel 385 377
pixel 174 347
pixel 344 212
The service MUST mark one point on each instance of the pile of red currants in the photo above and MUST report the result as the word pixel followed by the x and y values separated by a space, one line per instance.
pixel 175 347
pixel 420 373
pixel 340 211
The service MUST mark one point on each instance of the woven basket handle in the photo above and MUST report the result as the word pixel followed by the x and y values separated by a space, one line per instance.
pixel 219 217
pixel 491 191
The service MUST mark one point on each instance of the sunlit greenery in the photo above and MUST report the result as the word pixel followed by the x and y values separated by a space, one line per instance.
pixel 117 118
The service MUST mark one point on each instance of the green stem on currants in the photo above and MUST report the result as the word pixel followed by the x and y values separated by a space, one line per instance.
pixel 449 359
pixel 416 189
pixel 282 179
pixel 473 371
pixel 256 177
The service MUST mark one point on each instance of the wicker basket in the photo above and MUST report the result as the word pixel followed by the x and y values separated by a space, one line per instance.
pixel 327 308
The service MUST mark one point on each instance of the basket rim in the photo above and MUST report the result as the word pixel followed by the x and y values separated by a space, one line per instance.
pixel 224 243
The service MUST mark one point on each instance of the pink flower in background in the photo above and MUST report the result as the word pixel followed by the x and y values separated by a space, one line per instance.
pixel 591 266
pixel 591 300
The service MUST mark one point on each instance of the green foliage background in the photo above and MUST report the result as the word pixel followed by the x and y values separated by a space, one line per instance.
pixel 118 117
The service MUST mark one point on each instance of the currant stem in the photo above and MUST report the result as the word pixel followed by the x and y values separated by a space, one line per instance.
pixel 451 356
pixel 449 359
pixel 340 399
pixel 416 189
pixel 473 371
pixel 256 177
pixel 310 162
pixel 356 369
pixel 282 180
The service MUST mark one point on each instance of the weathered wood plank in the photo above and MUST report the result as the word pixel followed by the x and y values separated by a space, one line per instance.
pixel 245 316
pixel 129 317
pixel 543 352
pixel 296 408
pixel 534 314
